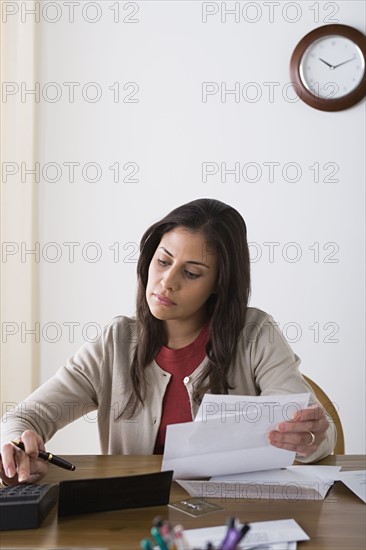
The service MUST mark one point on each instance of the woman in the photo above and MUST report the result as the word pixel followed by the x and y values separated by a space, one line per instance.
pixel 193 333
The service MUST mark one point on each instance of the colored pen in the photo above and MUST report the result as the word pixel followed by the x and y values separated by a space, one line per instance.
pixel 158 521
pixel 159 540
pixel 53 459
pixel 146 544
pixel 166 532
pixel 242 532
pixel 234 536
pixel 230 529
pixel 179 538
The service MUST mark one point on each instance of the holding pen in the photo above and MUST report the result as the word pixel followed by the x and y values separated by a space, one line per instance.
pixel 44 455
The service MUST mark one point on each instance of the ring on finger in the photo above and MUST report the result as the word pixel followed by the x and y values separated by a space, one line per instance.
pixel 312 439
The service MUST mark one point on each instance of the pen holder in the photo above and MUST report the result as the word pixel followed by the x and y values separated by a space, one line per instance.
pixel 168 538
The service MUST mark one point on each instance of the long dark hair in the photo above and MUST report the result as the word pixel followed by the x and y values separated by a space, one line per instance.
pixel 224 229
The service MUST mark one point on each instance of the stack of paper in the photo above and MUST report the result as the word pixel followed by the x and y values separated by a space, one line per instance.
pixel 356 481
pixel 229 439
pixel 230 435
pixel 292 483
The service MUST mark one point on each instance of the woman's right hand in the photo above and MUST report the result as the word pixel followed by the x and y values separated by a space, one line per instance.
pixel 17 466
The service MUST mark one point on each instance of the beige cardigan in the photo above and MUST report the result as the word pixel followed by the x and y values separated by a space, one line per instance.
pixel 97 377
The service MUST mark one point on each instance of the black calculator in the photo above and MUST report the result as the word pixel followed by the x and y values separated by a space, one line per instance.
pixel 26 505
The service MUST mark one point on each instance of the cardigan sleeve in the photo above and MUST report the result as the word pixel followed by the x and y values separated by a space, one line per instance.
pixel 72 392
pixel 275 365
pixel 276 371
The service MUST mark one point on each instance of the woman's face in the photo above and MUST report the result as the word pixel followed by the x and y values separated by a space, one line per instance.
pixel 182 276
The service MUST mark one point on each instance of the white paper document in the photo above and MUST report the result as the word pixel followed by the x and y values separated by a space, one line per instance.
pixel 356 481
pixel 229 435
pixel 265 533
pixel 292 483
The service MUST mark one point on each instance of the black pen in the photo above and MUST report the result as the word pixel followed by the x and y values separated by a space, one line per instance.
pixel 53 459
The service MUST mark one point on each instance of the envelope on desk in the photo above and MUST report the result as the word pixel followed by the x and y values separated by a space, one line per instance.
pixel 292 483
pixel 229 435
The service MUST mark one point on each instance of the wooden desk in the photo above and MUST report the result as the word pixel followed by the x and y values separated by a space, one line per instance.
pixel 338 522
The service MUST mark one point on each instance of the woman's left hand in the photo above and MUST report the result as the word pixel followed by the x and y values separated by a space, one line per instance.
pixel 304 433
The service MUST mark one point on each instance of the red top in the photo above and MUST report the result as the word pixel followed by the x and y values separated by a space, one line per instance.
pixel 179 363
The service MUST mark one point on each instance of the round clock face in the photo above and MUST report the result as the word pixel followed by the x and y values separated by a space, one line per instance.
pixel 332 67
pixel 328 67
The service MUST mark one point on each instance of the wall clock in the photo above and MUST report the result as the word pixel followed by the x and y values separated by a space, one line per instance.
pixel 328 67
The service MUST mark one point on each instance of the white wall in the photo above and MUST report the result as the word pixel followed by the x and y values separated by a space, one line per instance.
pixel 169 132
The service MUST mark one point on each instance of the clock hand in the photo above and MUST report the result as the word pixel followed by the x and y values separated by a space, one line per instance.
pixel 344 62
pixel 329 65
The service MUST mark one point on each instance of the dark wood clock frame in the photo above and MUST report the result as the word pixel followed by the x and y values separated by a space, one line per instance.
pixel 324 104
